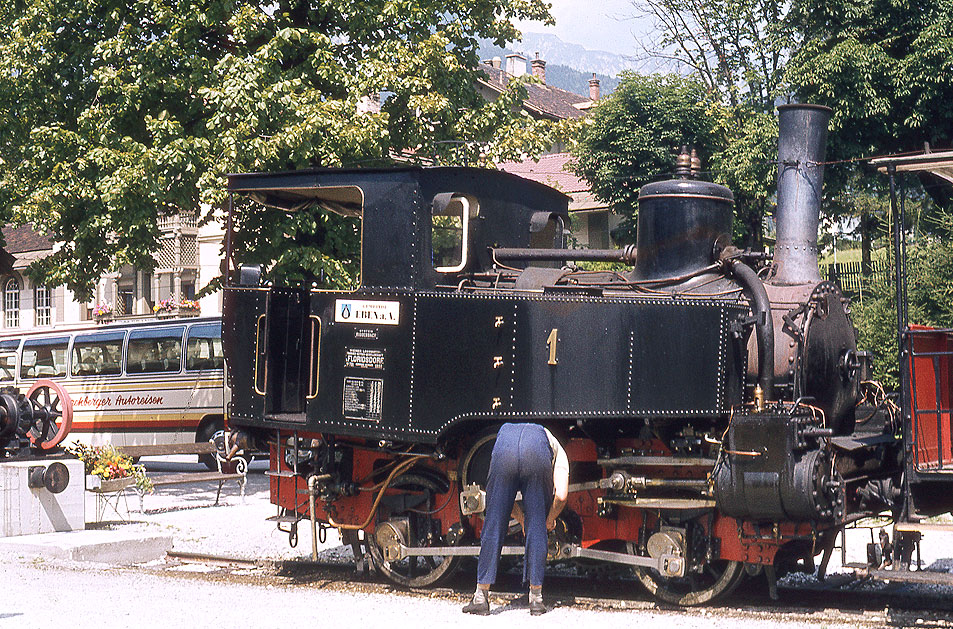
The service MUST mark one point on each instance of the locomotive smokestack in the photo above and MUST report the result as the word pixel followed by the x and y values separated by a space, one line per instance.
pixel 802 140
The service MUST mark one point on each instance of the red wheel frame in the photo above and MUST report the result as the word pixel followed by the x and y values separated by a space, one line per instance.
pixel 52 395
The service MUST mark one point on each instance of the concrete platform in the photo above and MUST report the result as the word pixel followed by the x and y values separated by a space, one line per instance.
pixel 100 546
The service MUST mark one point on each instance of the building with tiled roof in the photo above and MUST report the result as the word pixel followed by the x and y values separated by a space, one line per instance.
pixel 592 220
pixel 187 259
pixel 542 100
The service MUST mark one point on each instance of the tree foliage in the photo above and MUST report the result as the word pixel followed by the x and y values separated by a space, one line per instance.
pixel 113 112
pixel 929 293
pixel 735 47
pixel 884 66
pixel 634 135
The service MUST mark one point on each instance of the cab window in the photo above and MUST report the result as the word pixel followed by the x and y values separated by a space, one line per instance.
pixel 450 231
pixel 155 351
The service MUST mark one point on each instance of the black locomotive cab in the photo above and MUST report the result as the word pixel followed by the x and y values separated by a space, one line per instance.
pixel 465 316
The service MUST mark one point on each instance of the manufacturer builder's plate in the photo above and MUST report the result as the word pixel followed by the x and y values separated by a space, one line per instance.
pixel 360 311
pixel 363 398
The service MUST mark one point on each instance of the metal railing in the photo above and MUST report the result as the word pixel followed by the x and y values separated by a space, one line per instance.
pixel 850 275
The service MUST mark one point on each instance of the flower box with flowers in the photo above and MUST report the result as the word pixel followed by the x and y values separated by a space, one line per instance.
pixel 171 308
pixel 103 312
pixel 113 470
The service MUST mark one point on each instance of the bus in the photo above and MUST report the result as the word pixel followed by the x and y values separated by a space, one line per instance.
pixel 128 383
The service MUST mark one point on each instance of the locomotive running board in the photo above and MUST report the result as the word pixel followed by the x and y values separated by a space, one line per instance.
pixel 667 565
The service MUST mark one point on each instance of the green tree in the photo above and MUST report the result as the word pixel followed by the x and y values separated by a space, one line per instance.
pixel 735 47
pixel 884 66
pixel 929 293
pixel 634 135
pixel 113 112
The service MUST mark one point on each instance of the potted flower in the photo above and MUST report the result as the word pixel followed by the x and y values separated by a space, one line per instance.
pixel 116 471
pixel 189 307
pixel 166 307
pixel 103 312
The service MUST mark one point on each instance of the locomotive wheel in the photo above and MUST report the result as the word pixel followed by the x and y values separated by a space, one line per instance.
pixel 52 414
pixel 413 571
pixel 717 579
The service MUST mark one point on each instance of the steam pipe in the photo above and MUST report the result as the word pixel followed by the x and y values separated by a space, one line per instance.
pixel 764 324
pixel 625 255
pixel 802 143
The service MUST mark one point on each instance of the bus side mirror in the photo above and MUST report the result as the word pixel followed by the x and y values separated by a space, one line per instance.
pixel 249 275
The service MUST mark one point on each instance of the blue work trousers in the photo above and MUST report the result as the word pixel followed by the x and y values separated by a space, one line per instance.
pixel 522 461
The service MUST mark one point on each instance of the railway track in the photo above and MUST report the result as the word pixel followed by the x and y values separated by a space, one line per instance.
pixel 841 600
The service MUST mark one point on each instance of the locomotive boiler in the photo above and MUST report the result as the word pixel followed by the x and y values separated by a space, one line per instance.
pixel 707 396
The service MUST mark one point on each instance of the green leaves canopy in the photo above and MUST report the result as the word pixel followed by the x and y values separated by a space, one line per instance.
pixel 884 66
pixel 633 137
pixel 113 112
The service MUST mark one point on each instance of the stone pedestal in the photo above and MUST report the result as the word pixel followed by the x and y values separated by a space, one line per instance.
pixel 26 510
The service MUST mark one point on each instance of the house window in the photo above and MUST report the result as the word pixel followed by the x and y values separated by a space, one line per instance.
pixel 11 303
pixel 43 305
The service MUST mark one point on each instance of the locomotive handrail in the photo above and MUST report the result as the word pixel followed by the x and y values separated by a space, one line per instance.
pixel 313 371
pixel 625 255
pixel 259 391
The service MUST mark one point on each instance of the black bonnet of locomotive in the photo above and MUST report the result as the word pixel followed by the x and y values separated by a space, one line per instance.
pixel 681 221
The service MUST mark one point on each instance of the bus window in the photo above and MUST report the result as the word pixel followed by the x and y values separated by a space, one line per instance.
pixel 154 351
pixel 8 359
pixel 8 367
pixel 44 358
pixel 98 354
pixel 203 350
pixel 9 345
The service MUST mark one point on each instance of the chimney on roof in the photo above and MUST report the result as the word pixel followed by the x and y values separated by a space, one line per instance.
pixel 515 64
pixel 593 88
pixel 539 69
pixel 496 62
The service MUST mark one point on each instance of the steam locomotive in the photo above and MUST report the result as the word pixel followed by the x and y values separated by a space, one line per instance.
pixel 711 400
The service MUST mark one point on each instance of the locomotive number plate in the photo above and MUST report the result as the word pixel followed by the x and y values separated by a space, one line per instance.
pixel 363 398
pixel 364 312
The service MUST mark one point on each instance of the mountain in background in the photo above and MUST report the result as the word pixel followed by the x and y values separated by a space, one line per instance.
pixel 568 66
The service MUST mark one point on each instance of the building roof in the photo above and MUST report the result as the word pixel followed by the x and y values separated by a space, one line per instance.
pixel 553 170
pixel 24 238
pixel 545 100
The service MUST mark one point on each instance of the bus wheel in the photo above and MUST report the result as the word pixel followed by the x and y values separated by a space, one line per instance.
pixel 52 414
pixel 211 430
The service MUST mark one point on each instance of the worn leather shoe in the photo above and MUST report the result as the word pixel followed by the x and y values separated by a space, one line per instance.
pixel 480 604
pixel 536 606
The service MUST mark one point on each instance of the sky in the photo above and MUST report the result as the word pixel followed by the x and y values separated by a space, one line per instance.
pixel 593 24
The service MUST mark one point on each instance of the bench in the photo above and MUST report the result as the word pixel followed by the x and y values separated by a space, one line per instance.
pixel 183 478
